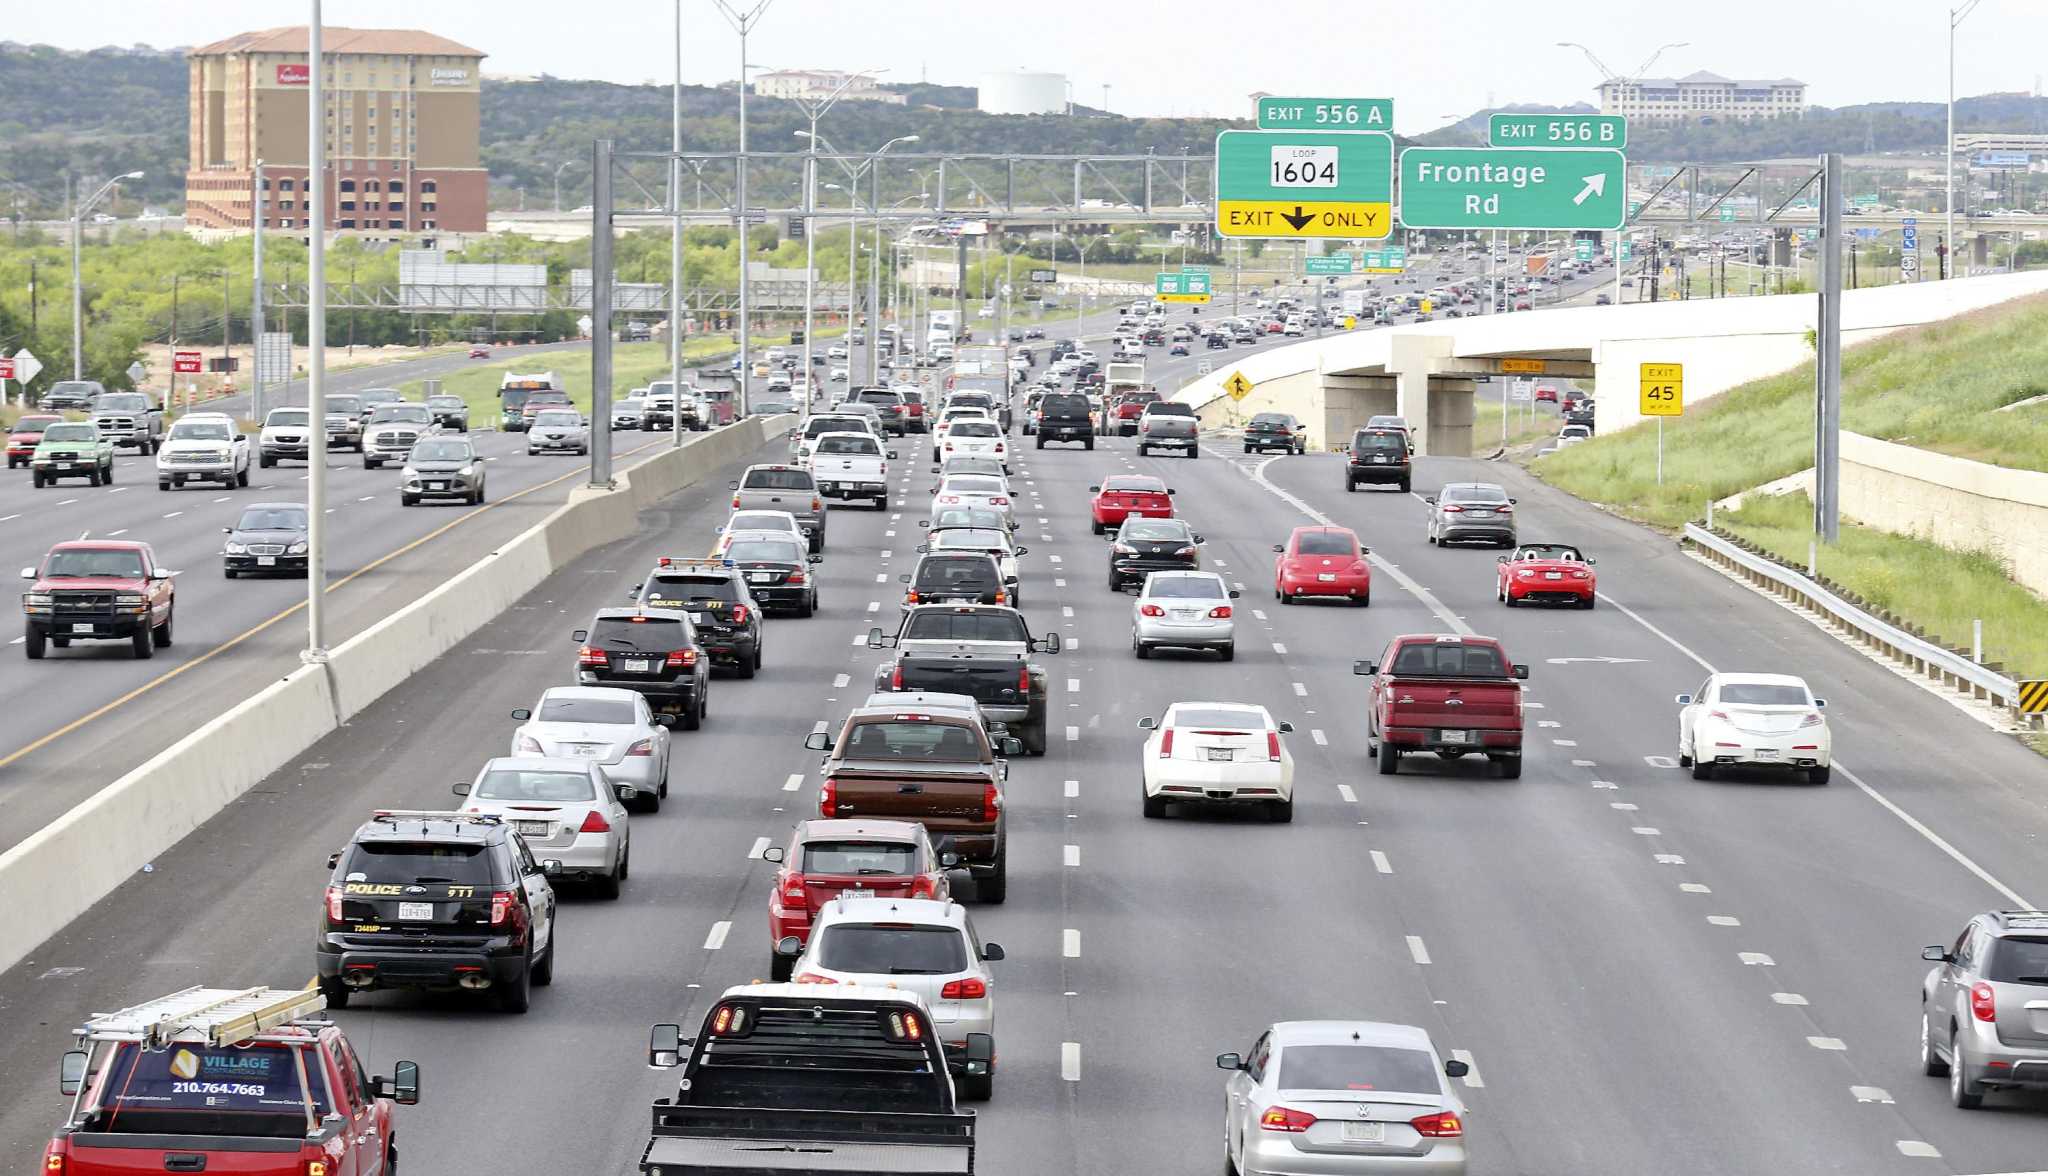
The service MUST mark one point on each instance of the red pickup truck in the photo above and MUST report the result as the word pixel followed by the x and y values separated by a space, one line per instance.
pixel 1450 694
pixel 237 1082
pixel 98 590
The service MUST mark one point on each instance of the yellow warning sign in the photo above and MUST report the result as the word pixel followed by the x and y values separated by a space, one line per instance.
pixel 1198 299
pixel 1353 220
pixel 1663 389
pixel 1237 386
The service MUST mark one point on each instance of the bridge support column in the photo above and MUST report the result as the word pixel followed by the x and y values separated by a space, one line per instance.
pixel 1450 416
pixel 1410 361
pixel 1349 402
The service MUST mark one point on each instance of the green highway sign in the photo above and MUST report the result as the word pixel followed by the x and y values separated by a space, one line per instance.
pixel 1181 287
pixel 1512 188
pixel 1195 269
pixel 1383 261
pixel 1326 114
pixel 1332 263
pixel 1557 130
pixel 1296 185
pixel 1583 249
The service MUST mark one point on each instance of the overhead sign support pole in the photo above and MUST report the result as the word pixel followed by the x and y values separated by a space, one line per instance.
pixel 1827 434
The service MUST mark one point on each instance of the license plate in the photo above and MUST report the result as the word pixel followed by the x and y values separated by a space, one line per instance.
pixel 531 828
pixel 1365 1132
pixel 760 577
pixel 1222 753
pixel 63 465
pixel 266 561
pixel 1553 575
pixel 590 751
pixel 1455 736
pixel 86 628
pixel 1767 753
pixel 1480 514
pixel 697 618
pixel 1326 577
pixel 422 912
pixel 1379 459
pixel 638 665
pixel 437 485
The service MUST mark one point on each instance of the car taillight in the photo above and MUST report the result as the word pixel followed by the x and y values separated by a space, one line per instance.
pixel 796 577
pixel 991 803
pixel 1024 680
pixel 973 989
pixel 594 822
pixel 896 678
pixel 910 597
pixel 924 886
pixel 55 1160
pixel 1721 715
pixel 1812 719
pixel 999 447
pixel 1442 1125
pixel 818 504
pixel 1000 597
pixel 949 447
pixel 1166 743
pixel 1983 1004
pixel 501 907
pixel 1453 508
pixel 949 498
pixel 588 657
pixel 643 747
pixel 828 799
pixel 999 500
pixel 1273 746
pixel 334 904
pixel 813 978
pixel 1504 508
pixel 681 658
pixel 1152 610
pixel 735 502
pixel 1188 550
pixel 739 614
pixel 1221 612
pixel 1286 1119
pixel 316 1168
pixel 791 886
pixel 528 745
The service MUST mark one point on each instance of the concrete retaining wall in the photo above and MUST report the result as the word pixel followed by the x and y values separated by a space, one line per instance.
pixel 1958 503
pixel 61 870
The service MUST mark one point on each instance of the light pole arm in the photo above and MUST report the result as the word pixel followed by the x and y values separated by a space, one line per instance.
pixel 1598 64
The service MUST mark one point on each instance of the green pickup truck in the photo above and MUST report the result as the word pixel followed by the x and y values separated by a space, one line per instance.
pixel 72 449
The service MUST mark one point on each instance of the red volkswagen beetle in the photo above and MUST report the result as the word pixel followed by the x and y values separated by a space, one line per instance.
pixel 1128 494
pixel 1555 572
pixel 1322 561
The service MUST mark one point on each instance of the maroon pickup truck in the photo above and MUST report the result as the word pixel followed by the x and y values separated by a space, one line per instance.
pixel 1445 693
pixel 98 590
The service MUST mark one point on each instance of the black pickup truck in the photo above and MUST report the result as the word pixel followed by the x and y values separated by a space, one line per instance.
pixel 982 651
pixel 800 1080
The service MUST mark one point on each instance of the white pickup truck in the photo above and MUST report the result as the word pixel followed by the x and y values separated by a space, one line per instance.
pixel 851 465
pixel 204 447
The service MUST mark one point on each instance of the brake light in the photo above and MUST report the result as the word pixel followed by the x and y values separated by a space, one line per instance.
pixel 334 904
pixel 1721 715
pixel 1453 508
pixel 1024 680
pixel 813 978
pixel 795 578
pixel 730 1021
pixel 1221 612
pixel 735 502
pixel 1442 1125
pixel 817 504
pixel 1983 1003
pixel 739 614
pixel 1166 743
pixel 644 747
pixel 791 884
pixel 594 822
pixel 949 498
pixel 590 658
pixel 999 500
pixel 1188 550
pixel 924 886
pixel 54 1160
pixel 316 1168
pixel 1152 610
pixel 1286 1119
pixel 896 678
pixel 910 597
pixel 991 804
pixel 1000 598
pixel 501 907
pixel 1504 508
pixel 528 745
pixel 828 799
pixel 974 989
pixel 1273 746
pixel 682 659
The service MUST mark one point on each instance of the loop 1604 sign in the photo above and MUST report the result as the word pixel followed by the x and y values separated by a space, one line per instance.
pixel 1293 185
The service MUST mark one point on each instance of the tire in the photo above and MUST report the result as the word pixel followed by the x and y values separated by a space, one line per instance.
pixel 1587 603
pixel 1684 760
pixel 242 478
pixel 608 887
pixel 163 487
pixel 96 478
pixel 1390 758
pixel 994 887
pixel 1194 452
pixel 1366 600
pixel 1350 486
pixel 1033 735
pixel 695 718
pixel 1287 598
pixel 370 465
pixel 750 665
pixel 36 476
pixel 1404 485
pixel 1930 1062
pixel 1280 812
pixel 1116 583
pixel 32 642
pixel 161 635
pixel 543 968
pixel 1143 650
pixel 1702 770
pixel 1508 598
pixel 265 461
pixel 1143 452
pixel 517 996
pixel 1247 449
pixel 336 992
pixel 1094 527
pixel 144 642
pixel 1510 767
pixel 1155 806
pixel 107 475
pixel 476 497
pixel 408 500
pixel 1040 438
pixel 1819 775
pixel 976 1087
pixel 1229 652
pixel 780 968
pixel 1964 1094
pixel 1089 444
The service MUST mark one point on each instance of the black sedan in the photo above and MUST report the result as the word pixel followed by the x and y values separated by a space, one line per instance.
pixel 270 537
pixel 1143 545
pixel 777 569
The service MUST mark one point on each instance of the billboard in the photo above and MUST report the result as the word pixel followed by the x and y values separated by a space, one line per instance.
pixel 293 75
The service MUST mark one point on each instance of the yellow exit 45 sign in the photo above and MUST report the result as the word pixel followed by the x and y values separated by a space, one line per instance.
pixel 1663 389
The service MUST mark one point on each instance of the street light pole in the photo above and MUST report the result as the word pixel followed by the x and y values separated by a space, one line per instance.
pixel 875 257
pixel 675 244
pixel 316 342
pixel 816 110
pixel 559 168
pixel 742 23
pixel 257 211
pixel 78 211
pixel 1956 16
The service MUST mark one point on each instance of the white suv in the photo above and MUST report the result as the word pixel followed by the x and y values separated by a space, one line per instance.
pixel 920 944
pixel 203 447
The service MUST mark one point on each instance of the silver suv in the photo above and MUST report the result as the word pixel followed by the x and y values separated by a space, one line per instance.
pixel 1984 1007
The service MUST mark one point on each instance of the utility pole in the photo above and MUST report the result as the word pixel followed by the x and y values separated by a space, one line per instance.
pixel 1827 439
pixel 316 341
pixel 742 23
pixel 256 216
pixel 227 321
pixel 675 244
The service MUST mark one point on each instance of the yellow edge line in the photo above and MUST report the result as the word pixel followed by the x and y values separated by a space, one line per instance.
pixel 238 638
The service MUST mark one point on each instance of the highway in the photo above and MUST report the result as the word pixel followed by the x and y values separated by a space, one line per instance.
pixel 1648 973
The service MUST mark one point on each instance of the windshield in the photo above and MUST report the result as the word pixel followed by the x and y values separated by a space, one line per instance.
pixel 272 518
pixel 859 857
pixel 287 417
pixel 525 784
pixel 1357 1067
pixel 122 563
pixel 1761 694
pixel 442 451
pixel 1185 588
pixel 765 551
pixel 201 431
pixel 912 739
pixel 408 414
pixel 894 950
pixel 864 446
pixel 121 402
pixel 943 625
pixel 71 432
pixel 1326 543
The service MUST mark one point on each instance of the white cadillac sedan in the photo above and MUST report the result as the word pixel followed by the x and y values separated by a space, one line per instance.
pixel 1225 753
pixel 1754 721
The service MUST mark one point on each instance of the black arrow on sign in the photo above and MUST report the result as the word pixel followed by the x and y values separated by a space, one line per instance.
pixel 1299 220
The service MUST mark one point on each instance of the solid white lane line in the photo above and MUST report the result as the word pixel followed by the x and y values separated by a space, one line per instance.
pixel 1070 943
pixel 795 781
pixel 1071 788
pixel 1322 740
pixel 1350 797
pixel 1070 1061
pixel 1472 1077
pixel 719 931
pixel 1380 862
pixel 839 683
pixel 1071 855
pixel 1936 839
pixel 1416 950
pixel 760 844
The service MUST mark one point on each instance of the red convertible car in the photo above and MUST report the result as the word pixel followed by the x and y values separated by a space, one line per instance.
pixel 1554 572
pixel 1322 561
pixel 1120 497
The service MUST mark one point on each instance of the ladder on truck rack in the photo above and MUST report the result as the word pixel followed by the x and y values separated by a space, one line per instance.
pixel 218 1016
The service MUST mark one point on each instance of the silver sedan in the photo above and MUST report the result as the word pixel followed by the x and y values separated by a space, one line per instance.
pixel 564 809
pixel 612 728
pixel 1186 610
pixel 561 430
pixel 1465 511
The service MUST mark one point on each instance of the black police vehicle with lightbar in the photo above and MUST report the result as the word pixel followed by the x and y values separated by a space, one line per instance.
pixel 721 604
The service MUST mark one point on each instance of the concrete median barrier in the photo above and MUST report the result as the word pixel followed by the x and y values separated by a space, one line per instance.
pixel 61 870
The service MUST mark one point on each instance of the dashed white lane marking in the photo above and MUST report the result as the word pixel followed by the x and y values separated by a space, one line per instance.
pixel 1300 691
pixel 1669 859
pixel 1071 789
pixel 839 683
pixel 1724 920
pixel 860 639
pixel 67 502
pixel 888 554
pixel 1921 1149
pixel 1472 1077
pixel 1566 742
pixel 888 534
pixel 174 514
pixel 1052 559
pixel 1316 733
pixel 1073 685
pixel 1073 734
pixel 818 726
pixel 1834 1043
pixel 1532 706
pixel 1070 1061
pixel 760 845
pixel 1756 959
pixel 1788 998
pixel 1416 950
pixel 719 931
pixel 1660 761
pixel 364 498
pixel 1871 1094
pixel 1071 855
pixel 1621 806
pixel 874 606
pixel 1259 613
pixel 1350 797
pixel 795 781
pixel 1578 763
pixel 1058 583
pixel 1279 648
pixel 1066 610
pixel 1380 862
pixel 1070 943
pixel 112 534
pixel 1073 643
pixel 225 498
pixel 881 577
pixel 17 641
pixel 1695 888
pixel 1647 830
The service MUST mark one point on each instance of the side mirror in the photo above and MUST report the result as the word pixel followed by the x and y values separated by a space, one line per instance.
pixel 633 593
pixel 1229 1061
pixel 1286 728
pixel 71 1072
pixel 733 485
pixel 816 559
pixel 927 522
pixel 403 1087
pixel 922 548
pixel 1500 559
pixel 1683 700
pixel 1513 501
pixel 1091 490
pixel 28 573
pixel 992 952
pixel 579 635
pixel 933 490
pixel 948 860
pixel 1936 954
pixel 1365 669
pixel 1456 1069
pixel 460 788
pixel 665 1047
pixel 1012 746
pixel 227 530
pixel 1521 671
pixel 905 577
pixel 664 720
pixel 551 868
pixel 1051 643
pixel 1020 551
pixel 1592 563
pixel 1148 723
pixel 1198 537
pixel 1169 490
pixel 1364 551
pixel 522 714
pixel 1234 594
pixel 876 637
pixel 1820 704
pixel 160 574
pixel 1430 500
pixel 789 947
pixel 818 741
pixel 1279 549
pixel 935 469
pixel 890 454
pixel 774 853
pixel 333 860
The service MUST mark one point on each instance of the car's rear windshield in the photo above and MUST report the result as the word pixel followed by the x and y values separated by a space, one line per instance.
pixel 778 479
pixel 461 862
pixel 639 633
pixel 838 424
pixel 970 573
pixel 1474 494
pixel 1326 543
pixel 765 550
pixel 150 1088
pixel 973 484
pixel 586 710
pixel 1269 418
pixel 859 857
pixel 441 451
pixel 919 740
pixel 675 591
pixel 1761 694
pixel 1185 588
pixel 865 446
pixel 971 539
pixel 1451 659
pixel 1357 1067
pixel 973 428
pixel 1224 718
pixel 1388 441
pixel 1155 529
pixel 2018 960
pixel 1067 405
pixel 125 563
pixel 558 420
pixel 892 950
pixel 272 518
pixel 525 785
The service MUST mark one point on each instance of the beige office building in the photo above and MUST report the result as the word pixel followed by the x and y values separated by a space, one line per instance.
pixel 1701 97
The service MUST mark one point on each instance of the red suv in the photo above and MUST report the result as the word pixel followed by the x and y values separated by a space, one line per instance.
pixel 828 856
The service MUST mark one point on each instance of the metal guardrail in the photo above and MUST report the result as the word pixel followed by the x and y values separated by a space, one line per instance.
pixel 1925 657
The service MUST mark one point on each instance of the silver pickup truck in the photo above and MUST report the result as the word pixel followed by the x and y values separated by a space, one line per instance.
pixel 130 418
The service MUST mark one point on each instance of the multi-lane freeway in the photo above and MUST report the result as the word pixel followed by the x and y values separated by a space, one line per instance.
pixel 1648 973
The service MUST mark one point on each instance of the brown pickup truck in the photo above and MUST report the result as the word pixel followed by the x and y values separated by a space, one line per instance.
pixel 1446 693
pixel 929 764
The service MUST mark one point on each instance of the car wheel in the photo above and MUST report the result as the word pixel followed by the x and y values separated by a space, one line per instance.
pixel 144 643
pixel 1510 600
pixel 36 477
pixel 1247 449
pixel 1288 598
pixel 1089 444
pixel 265 461
pixel 1702 770
pixel 1194 451
pixel 695 718
pixel 749 665
pixel 1965 1094
pixel 1684 760
pixel 1510 767
pixel 1142 452
pixel 336 992
pixel 1094 527
pixel 1155 806
pixel 1040 439
pixel 1143 650
pixel 32 640
pixel 1280 812
pixel 780 968
pixel 1930 1061
pixel 1588 602
pixel 1819 775
pixel 517 996
pixel 1366 600
pixel 1390 758
pixel 1350 486
pixel 1404 485
pixel 162 634
pixel 95 477
pixel 1228 651
pixel 609 886
pixel 408 500
pixel 242 477
pixel 994 887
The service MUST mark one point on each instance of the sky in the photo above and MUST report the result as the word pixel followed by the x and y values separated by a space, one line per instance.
pixel 1437 61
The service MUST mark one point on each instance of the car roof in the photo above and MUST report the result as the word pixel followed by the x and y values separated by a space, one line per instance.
pixel 98 545
pixel 929 912
pixel 1182 575
pixel 831 828
pixel 818 994
pixel 620 612
pixel 247 506
pixel 537 763
pixel 1759 679
pixel 923 698
pixel 594 693
pixel 2017 922
pixel 1384 1033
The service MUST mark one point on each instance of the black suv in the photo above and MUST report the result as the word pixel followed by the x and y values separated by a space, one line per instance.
pixel 652 650
pixel 1064 416
pixel 1275 430
pixel 955 577
pixel 440 901
pixel 1217 339
pixel 1378 457
pixel 722 608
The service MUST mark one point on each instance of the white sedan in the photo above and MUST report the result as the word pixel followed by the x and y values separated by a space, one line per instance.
pixel 1754 721
pixel 609 726
pixel 1218 753
pixel 981 438
pixel 975 490
pixel 838 375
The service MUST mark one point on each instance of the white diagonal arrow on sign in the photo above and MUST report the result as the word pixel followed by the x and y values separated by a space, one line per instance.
pixel 1595 186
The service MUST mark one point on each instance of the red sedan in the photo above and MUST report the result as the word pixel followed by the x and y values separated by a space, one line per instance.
pixel 1555 572
pixel 1544 392
pixel 26 434
pixel 479 351
pixel 887 859
pixel 1121 497
pixel 1322 561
